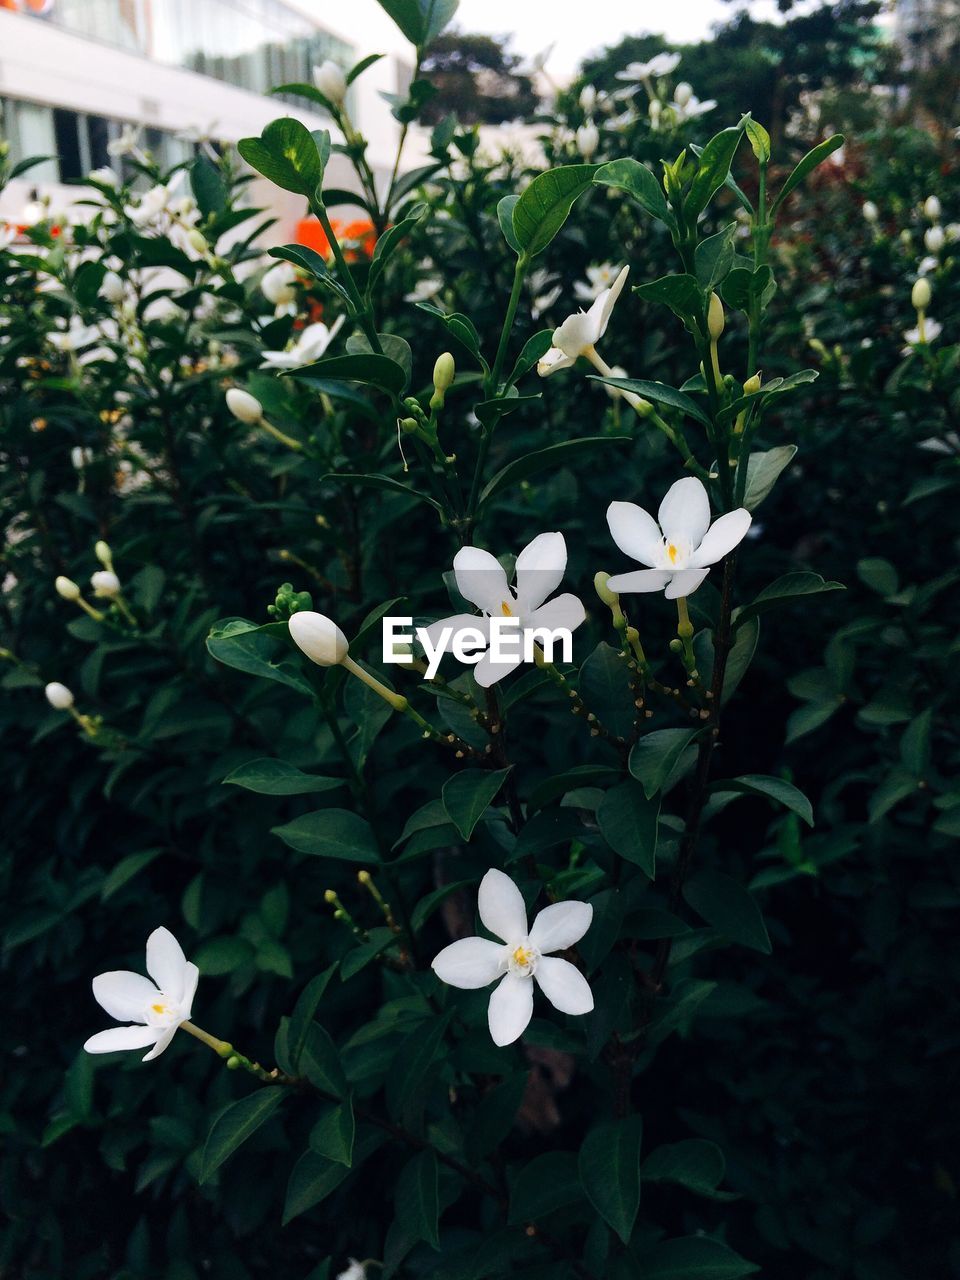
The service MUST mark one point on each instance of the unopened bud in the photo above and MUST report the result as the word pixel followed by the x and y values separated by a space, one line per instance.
pixel 870 211
pixel 197 240
pixel 588 139
pixel 103 553
pixel 330 896
pixel 59 696
pixel 921 294
pixel 408 424
pixel 752 385
pixel 244 407
pixel 319 638
pixel 934 239
pixel 609 598
pixel 331 81
pixel 715 320
pixel 67 588
pixel 444 372
pixel 931 208
pixel 111 287
pixel 683 93
pixel 106 584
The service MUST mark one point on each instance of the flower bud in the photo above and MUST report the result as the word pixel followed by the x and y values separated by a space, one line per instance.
pixel 106 584
pixel 197 240
pixel 921 294
pixel 444 372
pixel 588 139
pixel 588 98
pixel 331 81
pixel 103 553
pixel 244 407
pixel 319 638
pixel 67 588
pixel 715 321
pixel 112 287
pixel 683 93
pixel 870 211
pixel 656 106
pixel 278 284
pixel 934 238
pixel 752 385
pixel 409 425
pixel 609 598
pixel 59 696
pixel 931 208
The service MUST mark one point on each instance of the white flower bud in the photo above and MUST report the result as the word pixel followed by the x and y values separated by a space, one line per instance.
pixel 683 93
pixel 245 407
pixel 715 320
pixel 444 372
pixel 112 288
pixel 278 284
pixel 656 106
pixel 106 584
pixel 588 139
pixel 197 241
pixel 921 294
pixel 870 211
pixel 331 81
pixel 59 696
pixel 934 238
pixel 103 553
pixel 67 588
pixel 953 232
pixel 319 638
pixel 931 208
pixel 588 98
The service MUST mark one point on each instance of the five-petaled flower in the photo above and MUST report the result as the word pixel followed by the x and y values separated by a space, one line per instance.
pixel 155 1008
pixel 519 958
pixel 307 349
pixel 579 333
pixel 481 580
pixel 680 549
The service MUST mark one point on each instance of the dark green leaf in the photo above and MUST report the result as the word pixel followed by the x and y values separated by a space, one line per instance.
pixel 694 1258
pixel 655 756
pixel 235 1125
pixel 713 258
pixel 554 455
pixel 682 294
pixel 694 1163
pixel 763 471
pixel 637 180
pixel 331 833
pixel 287 153
pixel 467 794
pixel 545 205
pixel 333 1134
pixel 304 1012
pixel 783 792
pixel 366 481
pixel 417 1197
pixel 505 209
pixel 660 393
pixel 809 162
pixel 729 907
pixel 792 586
pixel 628 822
pixel 609 1167
pixel 369 368
pixel 549 1182
pixel 714 165
pixel 277 778
pixel 320 1062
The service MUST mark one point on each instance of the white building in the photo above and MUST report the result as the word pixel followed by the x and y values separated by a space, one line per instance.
pixel 73 73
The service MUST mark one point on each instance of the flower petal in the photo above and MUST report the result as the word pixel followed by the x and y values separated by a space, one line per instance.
pixel 501 907
pixel 722 536
pixel 635 532
pixel 603 307
pixel 481 580
pixel 564 985
pixel 165 1037
pixel 540 569
pixel 124 995
pixel 684 513
pixel 166 963
pixel 469 963
pixel 190 988
pixel 554 360
pixel 640 580
pixel 684 583
pixel 561 925
pixel 457 622
pixel 121 1038
pixel 488 671
pixel 564 611
pixel 510 1009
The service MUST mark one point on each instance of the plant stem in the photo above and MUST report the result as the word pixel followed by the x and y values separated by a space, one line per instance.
pixel 361 311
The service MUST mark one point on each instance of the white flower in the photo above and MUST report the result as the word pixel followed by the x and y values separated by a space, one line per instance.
pixel 927 264
pixel 662 64
pixel 81 456
pixel 157 1008
pixel 588 98
pixel 319 638
pixel 519 958
pixel 59 696
pixel 931 208
pixel 692 106
pixel 683 93
pixel 680 548
pixel 106 584
pixel 278 284
pixel 355 1271
pixel 580 332
pixel 481 580
pixel 127 144
pixel 152 205
pixel 424 289
pixel 598 278
pixel 931 331
pixel 870 211
pixel 588 139
pixel 244 407
pixel 331 81
pixel 105 175
pixel 934 238
pixel 307 349
pixel 112 288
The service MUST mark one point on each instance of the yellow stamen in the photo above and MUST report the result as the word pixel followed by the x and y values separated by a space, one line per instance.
pixel 506 610
pixel 672 553
pixel 159 1008
pixel 521 956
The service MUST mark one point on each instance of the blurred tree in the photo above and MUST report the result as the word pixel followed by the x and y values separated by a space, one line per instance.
pixel 478 80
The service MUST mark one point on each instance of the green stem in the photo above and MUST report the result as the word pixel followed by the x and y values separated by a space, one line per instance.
pixel 361 311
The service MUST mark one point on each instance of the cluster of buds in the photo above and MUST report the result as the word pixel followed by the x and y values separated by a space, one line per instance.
pixel 105 585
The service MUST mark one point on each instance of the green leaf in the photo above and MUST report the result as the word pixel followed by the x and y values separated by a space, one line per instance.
pixel 534 349
pixel 609 1165
pixel 505 208
pixel 236 1124
pixel 331 833
pixel 369 368
pixel 660 393
pixel 458 326
pixel 554 455
pixel 252 649
pixel 809 162
pixel 359 67
pixel 494 1117
pixel 277 778
pixel 312 263
pixel 333 1134
pixel 694 1163
pixel 726 905
pixel 637 180
pixel 390 241
pixel 368 481
pixel 655 756
pixel 411 1071
pixel 320 1062
pixel 467 794
pixel 778 789
pixel 125 870
pixel 714 165
pixel 287 153
pixel 792 586
pixel 713 258
pixel 549 1182
pixel 628 821
pixel 545 205
pixel 304 1012
pixel 420 20
pixel 208 187
pixel 314 1177
pixel 87 281
pixel 417 1197
pixel 694 1258
pixel 879 575
pixel 682 294
pixel 604 684
pixel 743 285
pixel 763 471
pixel 915 743
pixel 759 140
pixel 425 908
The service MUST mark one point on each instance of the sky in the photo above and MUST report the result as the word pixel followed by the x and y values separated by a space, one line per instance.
pixel 580 28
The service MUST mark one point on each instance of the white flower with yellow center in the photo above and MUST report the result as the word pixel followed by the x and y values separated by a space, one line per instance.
pixel 307 349
pixel 519 958
pixel 679 546
pixel 155 1008
pixel 481 580
pixel 579 333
